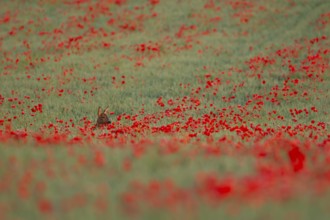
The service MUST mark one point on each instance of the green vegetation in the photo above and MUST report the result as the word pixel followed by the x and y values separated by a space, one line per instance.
pixel 209 101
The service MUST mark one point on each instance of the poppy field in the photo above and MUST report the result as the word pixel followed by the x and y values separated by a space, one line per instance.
pixel 219 109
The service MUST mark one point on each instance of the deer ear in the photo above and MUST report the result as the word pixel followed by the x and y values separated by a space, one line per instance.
pixel 99 112
pixel 106 109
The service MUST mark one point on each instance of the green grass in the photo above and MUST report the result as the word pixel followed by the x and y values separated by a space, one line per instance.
pixel 222 49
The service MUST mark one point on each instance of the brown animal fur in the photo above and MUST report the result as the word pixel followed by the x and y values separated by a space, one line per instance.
pixel 102 118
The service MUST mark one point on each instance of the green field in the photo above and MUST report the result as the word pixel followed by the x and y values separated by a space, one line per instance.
pixel 219 109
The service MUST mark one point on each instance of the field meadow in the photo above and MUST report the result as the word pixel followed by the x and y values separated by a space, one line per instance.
pixel 219 109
